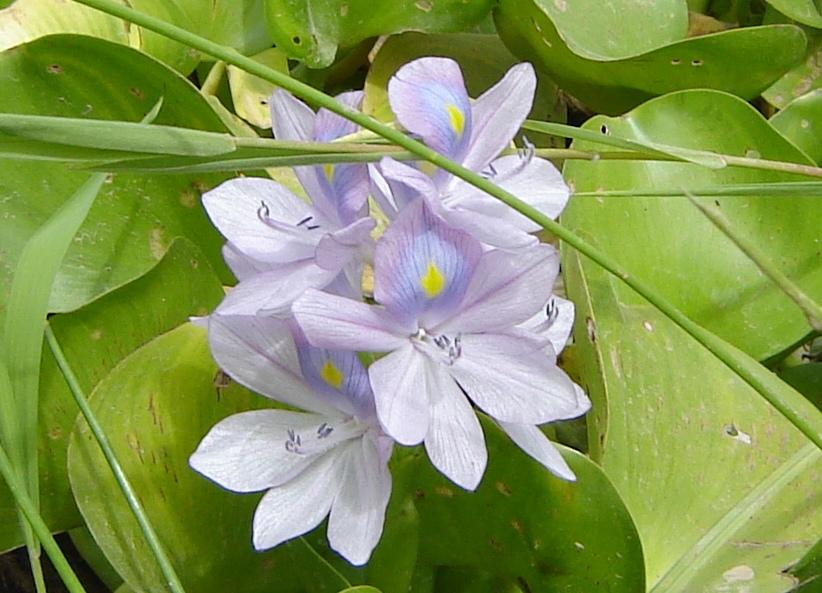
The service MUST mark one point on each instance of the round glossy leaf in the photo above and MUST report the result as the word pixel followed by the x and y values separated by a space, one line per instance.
pixel 312 32
pixel 523 526
pixel 483 59
pixel 155 407
pixel 800 121
pixel 616 81
pixel 803 11
pixel 723 489
pixel 675 248
pixel 134 218
pixel 231 22
pixel 94 339
pixel 802 78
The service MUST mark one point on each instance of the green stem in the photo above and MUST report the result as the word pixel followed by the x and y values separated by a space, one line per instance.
pixel 810 308
pixel 794 408
pixel 26 506
pixel 212 81
pixel 105 446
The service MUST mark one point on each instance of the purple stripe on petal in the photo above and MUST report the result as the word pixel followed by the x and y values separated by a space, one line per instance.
pixel 422 266
pixel 336 373
pixel 429 99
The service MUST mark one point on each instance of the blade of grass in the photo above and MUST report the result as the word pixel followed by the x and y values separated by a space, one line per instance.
pixel 811 309
pixel 23 334
pixel 788 188
pixel 787 401
pixel 108 452
pixel 678 577
pixel 704 158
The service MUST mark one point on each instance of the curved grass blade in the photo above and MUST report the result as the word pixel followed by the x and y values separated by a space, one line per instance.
pixel 125 486
pixel 791 404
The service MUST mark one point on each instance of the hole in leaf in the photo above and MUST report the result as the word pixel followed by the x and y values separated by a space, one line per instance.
pixel 604 129
pixel 696 62
pixel 296 40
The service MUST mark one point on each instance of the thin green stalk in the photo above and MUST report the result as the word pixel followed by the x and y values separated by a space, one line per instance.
pixel 41 530
pixel 811 309
pixel 108 452
pixel 212 81
pixel 793 406
pixel 326 563
pixel 705 158
pixel 786 188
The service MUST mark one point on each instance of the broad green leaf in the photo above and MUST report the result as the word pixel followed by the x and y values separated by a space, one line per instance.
pixel 135 218
pixel 238 24
pixel 614 76
pixel 808 571
pixel 800 122
pixel 523 527
pixel 691 263
pixel 692 449
pixel 483 60
pixel 95 338
pixel 82 539
pixel 172 401
pixel 803 11
pixel 312 32
pixel 805 76
pixel 250 93
pixel 807 380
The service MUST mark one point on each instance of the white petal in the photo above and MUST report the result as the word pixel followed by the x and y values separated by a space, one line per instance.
pixel 274 291
pixel 497 115
pixel 555 327
pixel 338 323
pixel 236 206
pixel 335 250
pixel 531 439
pixel 491 230
pixel 247 452
pixel 455 443
pixel 506 289
pixel 535 181
pixel 402 383
pixel 512 382
pixel 241 265
pixel 291 119
pixel 358 513
pixel 300 505
pixel 259 353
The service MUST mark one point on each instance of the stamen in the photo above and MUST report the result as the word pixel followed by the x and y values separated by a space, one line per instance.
pixel 323 430
pixel 294 443
pixel 551 311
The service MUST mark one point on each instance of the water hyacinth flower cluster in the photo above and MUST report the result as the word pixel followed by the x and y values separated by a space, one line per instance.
pixel 462 318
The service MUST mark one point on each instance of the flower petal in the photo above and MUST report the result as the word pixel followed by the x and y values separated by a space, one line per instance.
pixel 497 115
pixel 336 249
pixel 301 504
pixel 512 382
pixel 422 266
pixel 491 230
pixel 402 383
pixel 533 180
pixel 428 97
pixel 455 443
pixel 240 208
pixel 358 513
pixel 241 265
pixel 291 119
pixel 329 126
pixel 394 186
pixel 507 288
pixel 250 451
pixel 259 353
pixel 553 322
pixel 337 373
pixel 531 439
pixel 274 291
pixel 338 323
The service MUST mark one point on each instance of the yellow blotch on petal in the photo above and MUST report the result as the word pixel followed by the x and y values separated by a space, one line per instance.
pixel 332 375
pixel 433 282
pixel 328 169
pixel 457 118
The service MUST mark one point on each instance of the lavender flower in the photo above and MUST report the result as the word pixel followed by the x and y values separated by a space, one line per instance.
pixel 330 461
pixel 279 245
pixel 449 318
pixel 429 99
